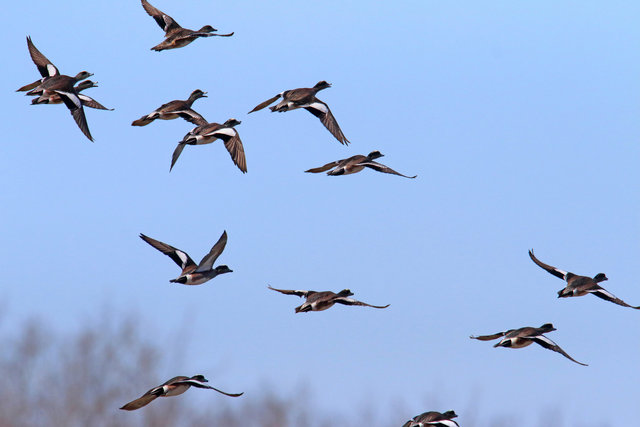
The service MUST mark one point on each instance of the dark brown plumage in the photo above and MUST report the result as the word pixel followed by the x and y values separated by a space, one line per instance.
pixel 175 35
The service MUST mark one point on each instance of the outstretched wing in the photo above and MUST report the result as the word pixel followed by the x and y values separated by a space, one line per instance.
pixel 214 253
pixel 74 104
pixel 382 168
pixel 45 67
pixel 547 343
pixel 290 292
pixel 351 301
pixel 234 146
pixel 179 257
pixel 92 103
pixel 265 103
pixel 488 337
pixel 325 167
pixel 144 400
pixel 550 269
pixel 322 111
pixel 601 292
pixel 200 384
pixel 176 154
pixel 191 116
pixel 165 22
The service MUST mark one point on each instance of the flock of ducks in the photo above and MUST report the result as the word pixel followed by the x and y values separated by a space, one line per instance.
pixel 56 88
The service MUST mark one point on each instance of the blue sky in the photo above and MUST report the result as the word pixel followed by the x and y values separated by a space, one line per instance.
pixel 520 119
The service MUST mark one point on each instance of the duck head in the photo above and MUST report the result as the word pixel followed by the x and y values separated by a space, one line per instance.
pixel 231 123
pixel 197 94
pixel 83 75
pixel 221 269
pixel 600 277
pixel 321 85
pixel 375 155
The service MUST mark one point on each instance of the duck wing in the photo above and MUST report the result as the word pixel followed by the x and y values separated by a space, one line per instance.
pixel 92 103
pixel 191 116
pixel 550 269
pixel 265 103
pixel 200 384
pixel 322 111
pixel 176 154
pixel 45 67
pixel 74 104
pixel 179 257
pixel 548 344
pixel 351 301
pixel 165 22
pixel 325 167
pixel 214 253
pixel 601 292
pixel 382 168
pixel 291 292
pixel 143 400
pixel 488 337
pixel 234 146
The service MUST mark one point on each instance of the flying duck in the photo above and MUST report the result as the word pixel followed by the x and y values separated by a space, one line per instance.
pixel 518 338
pixel 306 98
pixel 578 286
pixel 174 109
pixel 175 36
pixel 319 301
pixel 433 418
pixel 173 387
pixel 355 164
pixel 87 101
pixel 53 82
pixel 193 274
pixel 206 133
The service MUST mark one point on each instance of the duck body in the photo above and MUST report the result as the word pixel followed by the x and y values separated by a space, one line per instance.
pixel 175 35
pixel 174 109
pixel 578 286
pixel 433 418
pixel 192 273
pixel 306 98
pixel 523 337
pixel 173 387
pixel 355 164
pixel 320 301
pixel 207 133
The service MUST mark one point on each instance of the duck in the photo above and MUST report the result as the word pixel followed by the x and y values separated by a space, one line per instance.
pixel 87 101
pixel 192 273
pixel 174 109
pixel 206 133
pixel 46 68
pixel 355 164
pixel 306 98
pixel 173 387
pixel 319 301
pixel 522 337
pixel 175 35
pixel 53 82
pixel 433 418
pixel 578 286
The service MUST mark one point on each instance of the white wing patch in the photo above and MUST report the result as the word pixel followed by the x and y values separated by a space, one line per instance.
pixel 603 291
pixel 183 257
pixel 545 339
pixel 320 107
pixel 72 96
pixel 225 131
pixel 448 423
pixel 51 69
